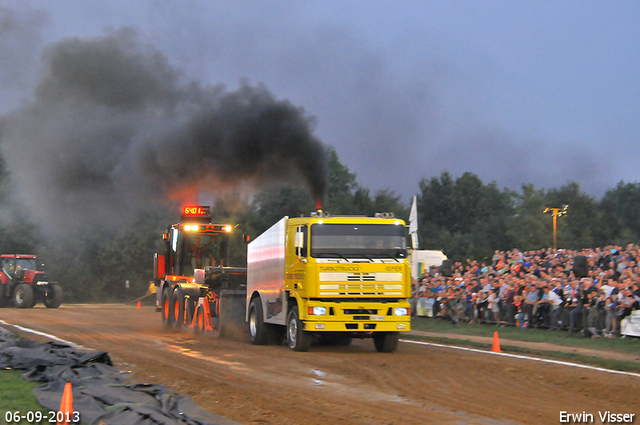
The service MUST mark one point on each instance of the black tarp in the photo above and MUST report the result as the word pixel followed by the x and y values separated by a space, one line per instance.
pixel 102 394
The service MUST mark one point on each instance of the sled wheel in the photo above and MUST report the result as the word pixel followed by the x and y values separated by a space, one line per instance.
pixel 177 308
pixel 199 327
pixel 165 303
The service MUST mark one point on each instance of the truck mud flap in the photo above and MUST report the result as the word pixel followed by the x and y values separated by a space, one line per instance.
pixel 232 314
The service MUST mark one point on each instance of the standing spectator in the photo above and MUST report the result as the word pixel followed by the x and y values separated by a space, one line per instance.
pixel 531 304
pixel 493 309
pixel 509 302
pixel 596 308
pixel 611 306
pixel 481 306
pixel 555 304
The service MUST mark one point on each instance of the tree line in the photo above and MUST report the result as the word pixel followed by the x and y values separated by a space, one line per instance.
pixel 462 216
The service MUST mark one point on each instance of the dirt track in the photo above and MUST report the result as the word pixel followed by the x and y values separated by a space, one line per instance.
pixel 335 385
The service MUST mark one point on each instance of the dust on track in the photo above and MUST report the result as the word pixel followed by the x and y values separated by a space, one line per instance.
pixel 335 385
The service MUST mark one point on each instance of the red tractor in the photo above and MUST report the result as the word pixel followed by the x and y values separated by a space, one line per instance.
pixel 22 282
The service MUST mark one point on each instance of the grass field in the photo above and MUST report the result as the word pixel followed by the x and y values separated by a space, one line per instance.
pixel 17 396
pixel 558 338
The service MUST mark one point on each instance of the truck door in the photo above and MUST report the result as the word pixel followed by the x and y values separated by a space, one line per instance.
pixel 297 254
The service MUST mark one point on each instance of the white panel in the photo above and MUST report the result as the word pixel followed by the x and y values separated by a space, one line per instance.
pixel 389 277
pixel 333 277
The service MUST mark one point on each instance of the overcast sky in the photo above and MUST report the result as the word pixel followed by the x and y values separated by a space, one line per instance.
pixel 513 91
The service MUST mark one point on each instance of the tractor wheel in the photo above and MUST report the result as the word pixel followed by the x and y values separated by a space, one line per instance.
pixel 165 304
pixel 199 327
pixel 23 296
pixel 258 330
pixel 386 342
pixel 190 307
pixel 53 297
pixel 297 338
pixel 177 308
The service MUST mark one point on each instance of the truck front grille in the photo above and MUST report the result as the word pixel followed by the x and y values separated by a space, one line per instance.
pixel 359 311
pixel 360 289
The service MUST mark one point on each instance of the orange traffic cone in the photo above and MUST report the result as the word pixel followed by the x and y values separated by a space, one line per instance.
pixel 139 305
pixel 66 406
pixel 496 343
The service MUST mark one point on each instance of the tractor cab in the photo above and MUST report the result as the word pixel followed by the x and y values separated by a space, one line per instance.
pixel 14 266
pixel 194 243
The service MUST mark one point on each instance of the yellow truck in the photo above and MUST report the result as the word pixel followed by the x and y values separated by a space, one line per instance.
pixel 331 278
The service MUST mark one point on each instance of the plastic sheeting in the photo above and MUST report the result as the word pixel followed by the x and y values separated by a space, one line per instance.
pixel 102 394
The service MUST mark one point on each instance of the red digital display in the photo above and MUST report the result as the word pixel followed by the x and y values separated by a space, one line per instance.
pixel 195 211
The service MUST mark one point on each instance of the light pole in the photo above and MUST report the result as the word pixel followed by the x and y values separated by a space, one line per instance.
pixel 555 213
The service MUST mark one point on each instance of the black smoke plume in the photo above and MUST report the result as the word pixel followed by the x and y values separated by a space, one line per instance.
pixel 113 129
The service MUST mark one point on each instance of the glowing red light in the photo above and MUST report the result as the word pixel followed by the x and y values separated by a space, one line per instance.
pixel 194 211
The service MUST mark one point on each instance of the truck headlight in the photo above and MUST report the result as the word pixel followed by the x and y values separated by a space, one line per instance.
pixel 400 311
pixel 317 311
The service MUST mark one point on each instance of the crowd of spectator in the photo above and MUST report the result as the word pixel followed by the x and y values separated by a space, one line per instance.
pixel 545 288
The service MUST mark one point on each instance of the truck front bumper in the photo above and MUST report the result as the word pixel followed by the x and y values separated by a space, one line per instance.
pixel 357 317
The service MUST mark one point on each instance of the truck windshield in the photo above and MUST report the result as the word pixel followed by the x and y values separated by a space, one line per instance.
pixel 204 249
pixel 358 240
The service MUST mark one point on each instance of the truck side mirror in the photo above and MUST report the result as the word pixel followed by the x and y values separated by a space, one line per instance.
pixel 299 243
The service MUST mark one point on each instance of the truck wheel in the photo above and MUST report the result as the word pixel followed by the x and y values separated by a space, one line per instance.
pixel 53 297
pixel 177 308
pixel 258 330
pixel 165 304
pixel 199 327
pixel 386 342
pixel 297 338
pixel 23 296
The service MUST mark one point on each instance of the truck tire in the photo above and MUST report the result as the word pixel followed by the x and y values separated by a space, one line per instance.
pixel 258 330
pixel 297 338
pixel 177 308
pixel 165 304
pixel 386 342
pixel 23 296
pixel 199 327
